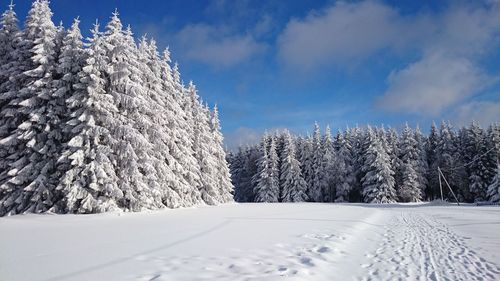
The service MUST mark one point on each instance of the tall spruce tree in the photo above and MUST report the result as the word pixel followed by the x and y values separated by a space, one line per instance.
pixel 394 150
pixel 157 174
pixel 10 72
pixel 202 146
pixel 237 167
pixel 91 183
pixel 306 161
pixel 445 158
pixel 409 189
pixel 293 184
pixel 378 179
pixel 267 181
pixel 356 137
pixel 34 160
pixel 69 64
pixel 421 165
pixel 474 146
pixel 431 149
pixel 327 167
pixel 179 120
pixel 344 176
pixel 315 191
pixel 222 174
pixel 126 88
pixel 494 187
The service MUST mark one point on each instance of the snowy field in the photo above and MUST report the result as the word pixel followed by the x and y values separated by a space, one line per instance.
pixel 257 242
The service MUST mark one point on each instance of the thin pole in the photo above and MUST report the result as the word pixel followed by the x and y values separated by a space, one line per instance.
pixel 449 187
pixel 440 184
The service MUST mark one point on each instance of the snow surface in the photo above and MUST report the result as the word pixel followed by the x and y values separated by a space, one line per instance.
pixel 302 241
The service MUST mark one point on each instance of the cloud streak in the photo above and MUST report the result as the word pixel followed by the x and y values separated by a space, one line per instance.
pixel 216 46
pixel 346 32
pixel 484 112
pixel 449 70
pixel 432 84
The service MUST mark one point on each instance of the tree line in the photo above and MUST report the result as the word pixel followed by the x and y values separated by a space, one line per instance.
pixel 100 124
pixel 371 165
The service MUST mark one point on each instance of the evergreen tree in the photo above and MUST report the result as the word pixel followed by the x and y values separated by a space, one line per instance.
pixel 69 64
pixel 431 148
pixel 267 182
pixel 294 186
pixel 60 34
pixel 327 167
pixel 392 138
pixel 306 161
pixel 127 89
pixel 10 71
pixel 394 151
pixel 33 161
pixel 409 189
pixel 279 139
pixel 91 183
pixel 237 167
pixel 159 177
pixel 222 174
pixel 252 156
pixel 421 162
pixel 243 168
pixel 344 176
pixel 445 158
pixel 202 146
pixel 378 180
pixel 494 187
pixel 459 177
pixel 315 191
pixel 10 37
pixel 356 138
pixel 493 142
pixel 477 167
pixel 179 125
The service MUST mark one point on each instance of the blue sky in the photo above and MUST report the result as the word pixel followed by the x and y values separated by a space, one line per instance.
pixel 287 64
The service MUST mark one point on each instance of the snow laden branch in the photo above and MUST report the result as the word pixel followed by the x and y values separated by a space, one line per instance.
pixel 101 124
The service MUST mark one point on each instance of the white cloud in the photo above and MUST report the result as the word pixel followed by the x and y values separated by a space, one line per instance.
pixel 432 84
pixel 345 32
pixel 242 136
pixel 216 46
pixel 449 70
pixel 466 30
pixel 484 112
pixel 247 136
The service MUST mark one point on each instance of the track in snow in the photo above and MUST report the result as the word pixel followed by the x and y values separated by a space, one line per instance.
pixel 418 247
pixel 308 261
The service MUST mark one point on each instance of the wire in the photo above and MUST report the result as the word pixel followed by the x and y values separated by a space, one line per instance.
pixel 472 161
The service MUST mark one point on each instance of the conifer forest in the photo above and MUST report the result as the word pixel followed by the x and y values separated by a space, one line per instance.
pixel 100 124
pixel 371 165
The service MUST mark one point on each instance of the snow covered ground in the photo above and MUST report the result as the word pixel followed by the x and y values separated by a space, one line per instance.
pixel 257 242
